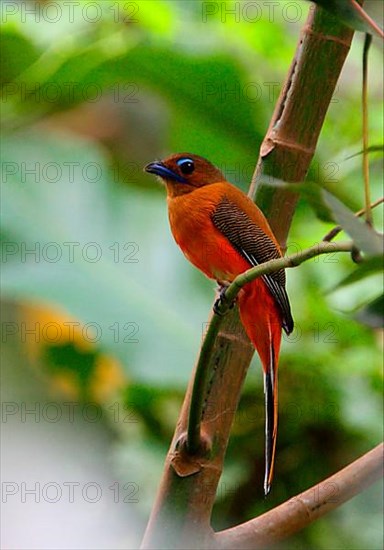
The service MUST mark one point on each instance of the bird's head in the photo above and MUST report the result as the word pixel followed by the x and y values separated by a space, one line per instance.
pixel 183 173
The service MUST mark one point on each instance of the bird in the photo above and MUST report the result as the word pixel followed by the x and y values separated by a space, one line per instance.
pixel 223 233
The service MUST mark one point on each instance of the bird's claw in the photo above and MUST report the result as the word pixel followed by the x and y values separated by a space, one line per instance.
pixel 217 306
pixel 222 301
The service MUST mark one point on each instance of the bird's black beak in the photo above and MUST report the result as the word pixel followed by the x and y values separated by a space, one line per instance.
pixel 159 169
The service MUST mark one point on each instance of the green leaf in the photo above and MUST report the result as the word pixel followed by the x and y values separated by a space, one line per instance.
pixel 350 13
pixel 310 192
pixel 207 89
pixel 17 53
pixel 366 269
pixel 372 314
pixel 202 93
pixel 364 237
pixel 67 358
pixel 371 149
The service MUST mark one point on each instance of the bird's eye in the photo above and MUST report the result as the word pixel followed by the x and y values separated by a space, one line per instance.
pixel 186 166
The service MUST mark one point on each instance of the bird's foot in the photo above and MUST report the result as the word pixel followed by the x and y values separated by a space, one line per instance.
pixel 222 301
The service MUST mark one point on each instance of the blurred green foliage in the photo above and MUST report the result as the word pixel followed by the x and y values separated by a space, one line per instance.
pixel 87 101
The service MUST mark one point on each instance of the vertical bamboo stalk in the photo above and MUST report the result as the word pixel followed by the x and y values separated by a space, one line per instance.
pixel 289 145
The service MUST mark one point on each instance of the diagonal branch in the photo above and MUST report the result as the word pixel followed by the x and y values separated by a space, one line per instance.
pixel 303 509
pixel 282 263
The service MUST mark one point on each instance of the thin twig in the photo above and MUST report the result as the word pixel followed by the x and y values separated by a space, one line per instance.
pixel 375 27
pixel 203 372
pixel 336 230
pixel 281 263
pixel 301 510
pixel 368 213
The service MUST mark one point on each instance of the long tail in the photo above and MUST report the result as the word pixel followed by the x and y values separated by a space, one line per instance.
pixel 262 321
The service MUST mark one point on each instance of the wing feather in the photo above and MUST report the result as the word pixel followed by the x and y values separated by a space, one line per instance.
pixel 256 247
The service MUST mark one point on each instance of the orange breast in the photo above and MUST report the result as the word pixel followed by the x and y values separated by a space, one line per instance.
pixel 198 238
